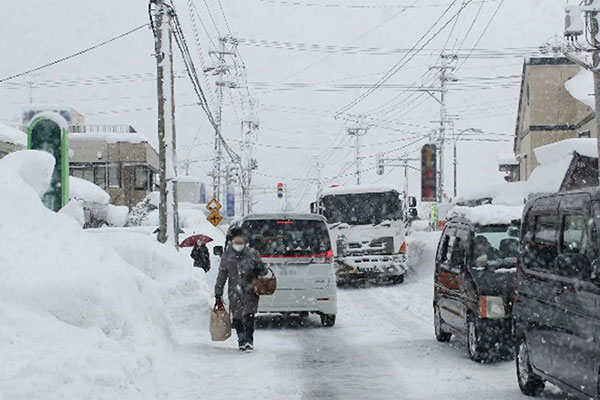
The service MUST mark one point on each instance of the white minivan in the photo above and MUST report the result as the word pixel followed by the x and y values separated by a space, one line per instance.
pixel 297 248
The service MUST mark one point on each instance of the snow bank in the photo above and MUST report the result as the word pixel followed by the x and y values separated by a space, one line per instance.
pixel 421 254
pixel 81 189
pixel 581 87
pixel 117 215
pixel 82 316
pixel 488 214
pixel 12 135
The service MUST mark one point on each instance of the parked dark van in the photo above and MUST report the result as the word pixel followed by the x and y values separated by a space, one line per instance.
pixel 556 311
pixel 475 278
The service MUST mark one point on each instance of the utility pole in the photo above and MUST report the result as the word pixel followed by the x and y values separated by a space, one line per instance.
pixel 595 30
pixel 249 129
pixel 357 133
pixel 168 220
pixel 397 162
pixel 445 77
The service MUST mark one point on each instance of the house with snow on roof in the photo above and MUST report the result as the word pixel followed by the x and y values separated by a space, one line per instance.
pixel 556 103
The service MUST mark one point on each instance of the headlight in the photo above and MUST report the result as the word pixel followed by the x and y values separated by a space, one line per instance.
pixel 491 307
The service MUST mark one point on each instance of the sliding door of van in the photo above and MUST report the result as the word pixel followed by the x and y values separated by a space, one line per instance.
pixel 576 353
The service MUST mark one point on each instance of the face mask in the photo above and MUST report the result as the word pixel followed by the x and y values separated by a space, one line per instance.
pixel 238 247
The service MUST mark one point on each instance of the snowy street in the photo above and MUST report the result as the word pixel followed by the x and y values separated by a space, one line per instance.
pixel 382 347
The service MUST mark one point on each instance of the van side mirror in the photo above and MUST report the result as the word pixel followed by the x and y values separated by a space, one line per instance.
pixel 313 208
pixel 412 201
pixel 218 251
pixel 413 213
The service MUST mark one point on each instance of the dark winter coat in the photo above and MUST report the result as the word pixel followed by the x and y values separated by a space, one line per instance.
pixel 201 257
pixel 240 268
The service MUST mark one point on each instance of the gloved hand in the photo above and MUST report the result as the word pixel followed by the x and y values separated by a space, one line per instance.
pixel 219 303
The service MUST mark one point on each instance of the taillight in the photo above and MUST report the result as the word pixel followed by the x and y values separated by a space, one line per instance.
pixel 402 248
pixel 324 256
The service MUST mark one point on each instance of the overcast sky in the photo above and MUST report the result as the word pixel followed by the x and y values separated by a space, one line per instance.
pixel 114 84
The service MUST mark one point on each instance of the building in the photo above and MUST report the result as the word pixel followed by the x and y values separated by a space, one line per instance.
pixel 548 111
pixel 116 158
pixel 11 139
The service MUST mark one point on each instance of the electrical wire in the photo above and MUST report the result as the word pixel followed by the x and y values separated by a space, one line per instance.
pixel 122 35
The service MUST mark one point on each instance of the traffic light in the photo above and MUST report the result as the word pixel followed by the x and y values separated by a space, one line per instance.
pixel 380 164
pixel 280 190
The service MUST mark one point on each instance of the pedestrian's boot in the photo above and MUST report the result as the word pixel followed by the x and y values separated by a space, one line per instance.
pixel 240 329
pixel 248 322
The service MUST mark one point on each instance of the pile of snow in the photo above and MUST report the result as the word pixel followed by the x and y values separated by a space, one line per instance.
pixel 581 87
pixel 489 214
pixel 117 215
pixel 110 137
pixel 12 135
pixel 83 316
pixel 507 159
pixel 80 189
pixel 421 254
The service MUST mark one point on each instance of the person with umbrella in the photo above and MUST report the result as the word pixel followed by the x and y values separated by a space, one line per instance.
pixel 200 255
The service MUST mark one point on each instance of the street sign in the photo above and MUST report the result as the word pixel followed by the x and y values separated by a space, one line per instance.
pixel 48 132
pixel 214 218
pixel 428 173
pixel 214 205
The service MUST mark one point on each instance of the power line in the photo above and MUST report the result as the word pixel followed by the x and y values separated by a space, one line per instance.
pixel 122 35
pixel 406 59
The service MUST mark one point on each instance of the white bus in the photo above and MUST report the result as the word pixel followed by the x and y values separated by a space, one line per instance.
pixel 367 229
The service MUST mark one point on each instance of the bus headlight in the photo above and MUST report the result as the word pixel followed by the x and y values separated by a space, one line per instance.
pixel 491 307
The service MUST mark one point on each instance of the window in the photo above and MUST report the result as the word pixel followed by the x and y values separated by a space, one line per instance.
pixel 114 175
pixel 88 174
pixel 288 237
pixel 546 230
pixel 143 179
pixel 100 176
pixel 545 243
pixel 574 235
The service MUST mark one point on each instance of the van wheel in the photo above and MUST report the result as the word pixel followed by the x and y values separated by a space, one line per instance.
pixel 529 383
pixel 476 350
pixel 328 320
pixel 398 279
pixel 440 335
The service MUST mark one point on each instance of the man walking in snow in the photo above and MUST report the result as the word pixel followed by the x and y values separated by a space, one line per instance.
pixel 240 264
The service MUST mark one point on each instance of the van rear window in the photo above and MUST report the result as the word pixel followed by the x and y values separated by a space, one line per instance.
pixel 287 237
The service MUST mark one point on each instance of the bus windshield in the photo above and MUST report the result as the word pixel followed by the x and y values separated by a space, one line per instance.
pixel 362 208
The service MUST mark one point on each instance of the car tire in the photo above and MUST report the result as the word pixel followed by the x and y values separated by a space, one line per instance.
pixel 476 350
pixel 440 335
pixel 398 279
pixel 328 320
pixel 529 383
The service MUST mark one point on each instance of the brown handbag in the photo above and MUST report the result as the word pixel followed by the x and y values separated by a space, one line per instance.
pixel 265 286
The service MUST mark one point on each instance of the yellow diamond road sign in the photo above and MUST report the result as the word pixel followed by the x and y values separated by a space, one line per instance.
pixel 214 205
pixel 214 218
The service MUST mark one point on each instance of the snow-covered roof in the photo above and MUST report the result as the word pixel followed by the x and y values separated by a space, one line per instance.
pixel 548 177
pixel 81 189
pixel 507 159
pixel 358 189
pixel 111 137
pixel 557 151
pixel 12 135
pixel 581 87
pixel 489 214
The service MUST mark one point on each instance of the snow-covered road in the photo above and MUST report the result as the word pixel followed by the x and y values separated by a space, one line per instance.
pixel 382 348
